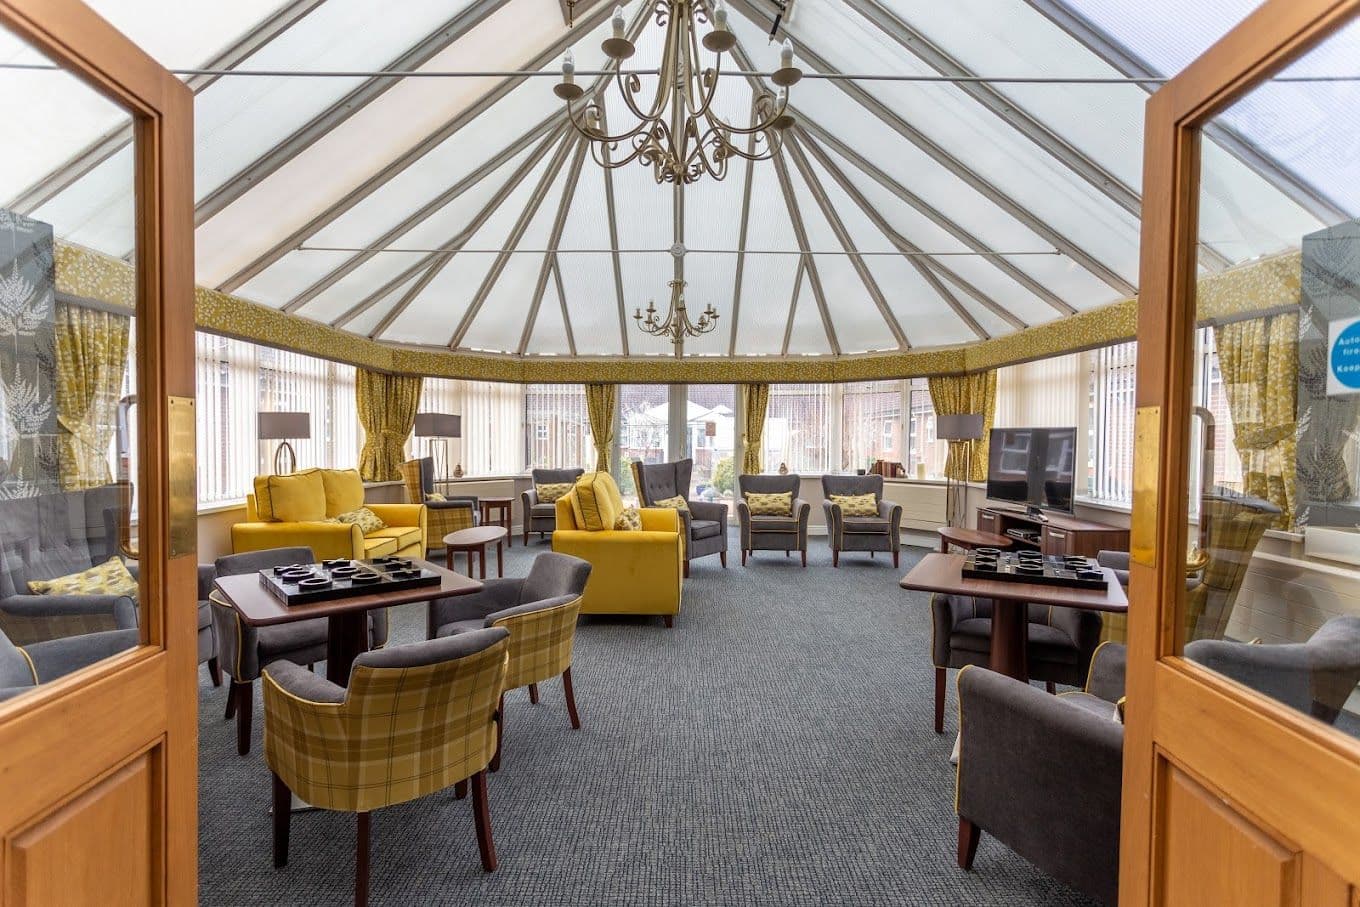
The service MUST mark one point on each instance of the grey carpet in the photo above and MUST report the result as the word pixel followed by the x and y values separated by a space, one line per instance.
pixel 774 748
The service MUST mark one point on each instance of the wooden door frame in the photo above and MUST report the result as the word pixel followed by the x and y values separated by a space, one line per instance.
pixel 1177 712
pixel 144 700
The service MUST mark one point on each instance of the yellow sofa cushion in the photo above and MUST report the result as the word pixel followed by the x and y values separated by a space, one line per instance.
pixel 379 547
pixel 297 498
pixel 856 504
pixel 109 578
pixel 596 502
pixel 344 490
pixel 771 504
pixel 404 536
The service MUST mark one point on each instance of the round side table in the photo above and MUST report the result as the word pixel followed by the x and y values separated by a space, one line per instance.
pixel 475 541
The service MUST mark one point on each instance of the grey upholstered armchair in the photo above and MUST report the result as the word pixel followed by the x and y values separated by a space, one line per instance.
pixel 541 516
pixel 881 532
pixel 763 532
pixel 704 522
pixel 24 667
pixel 1061 641
pixel 244 650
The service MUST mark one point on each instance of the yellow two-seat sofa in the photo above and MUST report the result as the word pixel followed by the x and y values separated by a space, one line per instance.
pixel 631 571
pixel 299 509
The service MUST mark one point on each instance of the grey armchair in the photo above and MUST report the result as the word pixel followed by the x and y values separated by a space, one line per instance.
pixel 704 524
pixel 244 650
pixel 1061 641
pixel 541 516
pixel 207 634
pixel 24 667
pixel 772 533
pixel 882 532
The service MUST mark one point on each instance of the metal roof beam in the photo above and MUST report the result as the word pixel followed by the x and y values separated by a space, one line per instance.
pixel 935 215
pixel 1127 63
pixel 741 235
pixel 958 168
pixel 114 141
pixel 562 301
pixel 847 243
pixel 810 266
pixel 793 308
pixel 613 221
pixel 554 239
pixel 409 157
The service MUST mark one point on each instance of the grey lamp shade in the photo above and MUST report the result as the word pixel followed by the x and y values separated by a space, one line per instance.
pixel 438 425
pixel 284 426
pixel 962 427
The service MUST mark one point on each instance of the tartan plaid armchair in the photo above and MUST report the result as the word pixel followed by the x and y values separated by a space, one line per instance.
pixel 414 720
pixel 442 517
pixel 540 613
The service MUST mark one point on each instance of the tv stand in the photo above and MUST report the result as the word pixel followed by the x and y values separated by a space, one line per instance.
pixel 1053 533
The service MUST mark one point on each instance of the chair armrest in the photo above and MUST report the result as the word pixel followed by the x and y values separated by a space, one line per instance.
pixel 1106 677
pixel 802 511
pixel 743 516
pixel 892 512
pixel 529 497
pixel 55 658
pixel 68 604
pixel 327 540
pixel 945 613
pixel 399 514
pixel 495 595
pixel 207 576
pixel 709 510
pixel 1082 627
pixel 529 608
pixel 657 519
pixel 300 683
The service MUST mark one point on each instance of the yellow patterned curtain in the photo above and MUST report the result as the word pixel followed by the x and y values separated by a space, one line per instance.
pixel 92 348
pixel 1259 361
pixel 387 411
pixel 600 402
pixel 955 395
pixel 755 400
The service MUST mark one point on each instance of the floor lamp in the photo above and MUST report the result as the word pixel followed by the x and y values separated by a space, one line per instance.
pixel 441 427
pixel 284 427
pixel 962 429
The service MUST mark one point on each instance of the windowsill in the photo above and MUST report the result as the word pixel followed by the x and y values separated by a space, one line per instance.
pixel 1103 505
pixel 465 479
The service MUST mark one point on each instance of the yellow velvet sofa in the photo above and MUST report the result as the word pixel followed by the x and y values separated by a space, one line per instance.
pixel 295 509
pixel 632 572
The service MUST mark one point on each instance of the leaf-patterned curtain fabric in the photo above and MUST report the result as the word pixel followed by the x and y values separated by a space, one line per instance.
pixel 1259 362
pixel 92 348
pixel 28 417
pixel 600 402
pixel 387 411
pixel 756 400
pixel 954 395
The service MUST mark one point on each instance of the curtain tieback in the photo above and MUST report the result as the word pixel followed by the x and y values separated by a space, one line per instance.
pixel 81 432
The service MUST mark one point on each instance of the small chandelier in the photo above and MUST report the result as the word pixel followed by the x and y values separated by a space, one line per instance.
pixel 678 135
pixel 676 325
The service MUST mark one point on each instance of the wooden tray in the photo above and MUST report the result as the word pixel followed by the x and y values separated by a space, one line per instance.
pixel 1053 571
pixel 393 575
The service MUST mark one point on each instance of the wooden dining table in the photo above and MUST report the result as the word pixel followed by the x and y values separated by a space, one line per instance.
pixel 347 618
pixel 943 573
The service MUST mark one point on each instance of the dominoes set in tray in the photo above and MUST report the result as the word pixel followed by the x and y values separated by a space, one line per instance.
pixel 1072 571
pixel 305 584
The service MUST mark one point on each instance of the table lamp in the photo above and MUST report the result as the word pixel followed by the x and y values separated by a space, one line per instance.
pixel 284 427
pixel 439 427
pixel 963 429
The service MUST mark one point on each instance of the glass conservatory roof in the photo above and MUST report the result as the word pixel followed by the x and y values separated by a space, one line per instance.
pixel 913 204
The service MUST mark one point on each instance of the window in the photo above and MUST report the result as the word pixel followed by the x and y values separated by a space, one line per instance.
pixel 493 428
pixel 557 427
pixel 643 430
pixel 923 450
pixel 710 439
pixel 798 427
pixel 1109 459
pixel 871 423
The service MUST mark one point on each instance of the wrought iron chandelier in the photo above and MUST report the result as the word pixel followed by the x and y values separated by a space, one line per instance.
pixel 676 325
pixel 678 135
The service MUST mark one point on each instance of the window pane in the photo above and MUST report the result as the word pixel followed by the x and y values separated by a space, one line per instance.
pixel 926 454
pixel 871 423
pixel 493 426
pixel 710 438
pixel 798 428
pixel 1111 406
pixel 557 427
pixel 644 418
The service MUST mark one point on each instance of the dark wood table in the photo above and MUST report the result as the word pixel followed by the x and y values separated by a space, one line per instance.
pixel 970 539
pixel 944 573
pixel 475 541
pixel 347 633
pixel 502 508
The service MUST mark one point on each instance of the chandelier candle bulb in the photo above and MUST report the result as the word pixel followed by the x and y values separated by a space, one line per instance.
pixel 618 22
pixel 569 67
pixel 786 54
pixel 720 16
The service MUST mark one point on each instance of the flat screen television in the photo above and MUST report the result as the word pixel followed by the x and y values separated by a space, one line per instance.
pixel 1032 466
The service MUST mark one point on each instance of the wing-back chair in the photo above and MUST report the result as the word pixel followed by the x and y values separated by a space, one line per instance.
pixel 1061 641
pixel 540 612
pixel 244 649
pixel 449 515
pixel 881 531
pixel 24 667
pixel 772 531
pixel 1231 526
pixel 413 720
pixel 539 515
pixel 704 523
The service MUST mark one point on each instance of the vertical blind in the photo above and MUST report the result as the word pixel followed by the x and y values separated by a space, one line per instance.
pixel 871 423
pixel 923 447
pixel 1111 407
pixel 557 427
pixel 798 427
pixel 493 428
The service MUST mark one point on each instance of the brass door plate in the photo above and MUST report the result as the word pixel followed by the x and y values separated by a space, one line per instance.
pixel 1147 438
pixel 183 480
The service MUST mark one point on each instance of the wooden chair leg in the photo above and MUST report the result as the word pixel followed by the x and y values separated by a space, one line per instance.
pixel 804 553
pixel 1051 687
pixel 242 698
pixel 361 861
pixel 835 558
pixel 722 556
pixel 481 816
pixel 939 700
pixel 686 569
pixel 969 835
pixel 668 620
pixel 533 693
pixel 215 671
pixel 230 712
pixel 897 558
pixel 744 552
pixel 571 698
pixel 460 789
pixel 495 765
pixel 283 811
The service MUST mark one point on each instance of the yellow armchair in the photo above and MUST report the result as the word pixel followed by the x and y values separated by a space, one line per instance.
pixel 631 572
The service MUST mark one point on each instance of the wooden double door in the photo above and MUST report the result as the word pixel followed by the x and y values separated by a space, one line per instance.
pixel 1230 797
pixel 98 768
